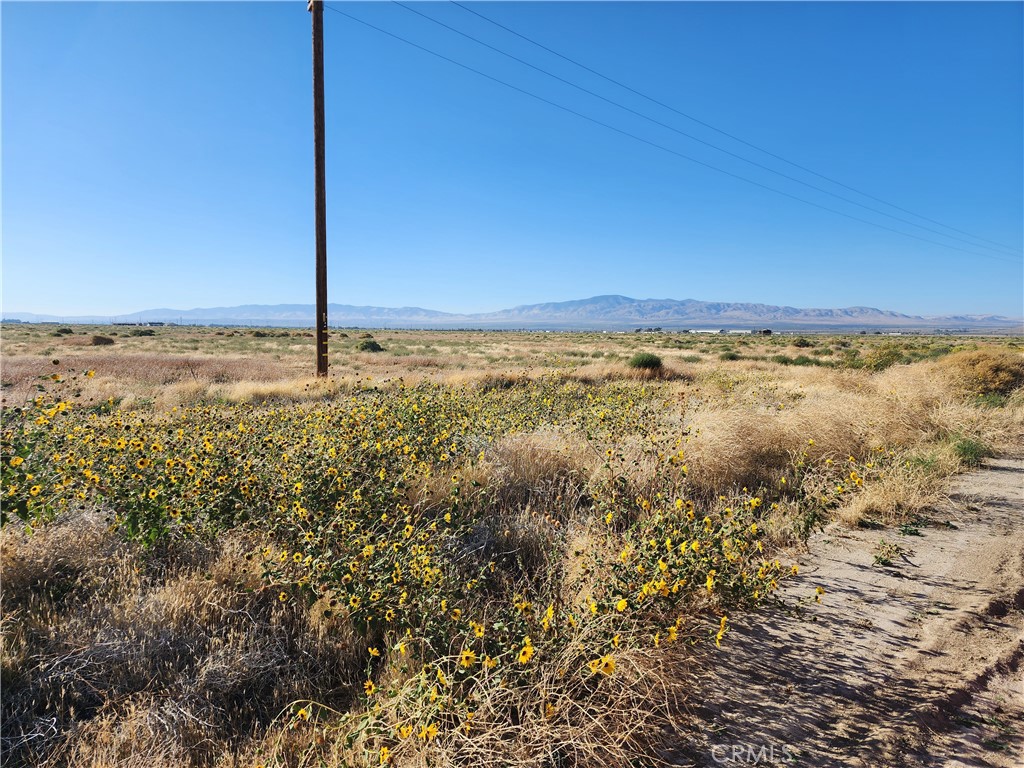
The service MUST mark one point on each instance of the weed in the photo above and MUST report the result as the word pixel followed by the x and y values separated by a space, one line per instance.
pixel 886 552
pixel 970 450
pixel 991 400
pixel 910 528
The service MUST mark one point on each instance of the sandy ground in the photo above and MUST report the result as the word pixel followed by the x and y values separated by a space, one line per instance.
pixel 917 663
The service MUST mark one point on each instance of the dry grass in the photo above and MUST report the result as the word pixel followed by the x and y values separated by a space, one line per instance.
pixel 185 657
pixel 141 377
pixel 985 371
pixel 910 486
pixel 564 718
pixel 113 656
pixel 601 372
pixel 287 391
pixel 748 436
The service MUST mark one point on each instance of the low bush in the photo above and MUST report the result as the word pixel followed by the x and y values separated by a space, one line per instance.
pixel 645 361
pixel 101 341
pixel 369 345
pixel 884 356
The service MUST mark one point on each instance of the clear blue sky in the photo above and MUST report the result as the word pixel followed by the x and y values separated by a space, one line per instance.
pixel 160 155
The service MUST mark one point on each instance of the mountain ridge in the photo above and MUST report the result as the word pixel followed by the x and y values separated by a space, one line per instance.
pixel 605 312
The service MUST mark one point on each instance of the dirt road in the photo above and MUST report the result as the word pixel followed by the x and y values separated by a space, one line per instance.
pixel 915 663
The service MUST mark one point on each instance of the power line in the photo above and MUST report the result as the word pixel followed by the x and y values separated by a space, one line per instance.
pixel 742 141
pixel 688 135
pixel 652 143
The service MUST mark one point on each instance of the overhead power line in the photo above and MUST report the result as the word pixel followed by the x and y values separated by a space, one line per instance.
pixel 688 135
pixel 655 144
pixel 740 140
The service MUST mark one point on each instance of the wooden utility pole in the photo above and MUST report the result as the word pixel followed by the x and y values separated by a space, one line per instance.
pixel 316 8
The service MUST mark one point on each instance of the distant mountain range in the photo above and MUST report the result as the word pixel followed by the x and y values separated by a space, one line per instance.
pixel 596 313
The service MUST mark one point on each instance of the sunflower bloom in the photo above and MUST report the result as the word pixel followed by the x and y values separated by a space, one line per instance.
pixel 526 653
pixel 605 665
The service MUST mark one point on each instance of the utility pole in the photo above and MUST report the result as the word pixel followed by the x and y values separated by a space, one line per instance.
pixel 316 8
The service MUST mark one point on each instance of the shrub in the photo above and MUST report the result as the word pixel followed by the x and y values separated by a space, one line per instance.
pixel 986 372
pixel 801 342
pixel 884 356
pixel 369 345
pixel 645 361
pixel 101 341
pixel 63 331
pixel 934 353
pixel 729 356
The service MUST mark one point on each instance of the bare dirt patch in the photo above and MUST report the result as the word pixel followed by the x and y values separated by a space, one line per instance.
pixel 918 662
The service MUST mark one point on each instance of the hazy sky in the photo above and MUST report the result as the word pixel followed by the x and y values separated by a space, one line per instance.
pixel 161 155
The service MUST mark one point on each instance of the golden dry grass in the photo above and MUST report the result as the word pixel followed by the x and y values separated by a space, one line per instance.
pixel 163 660
pixel 185 657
